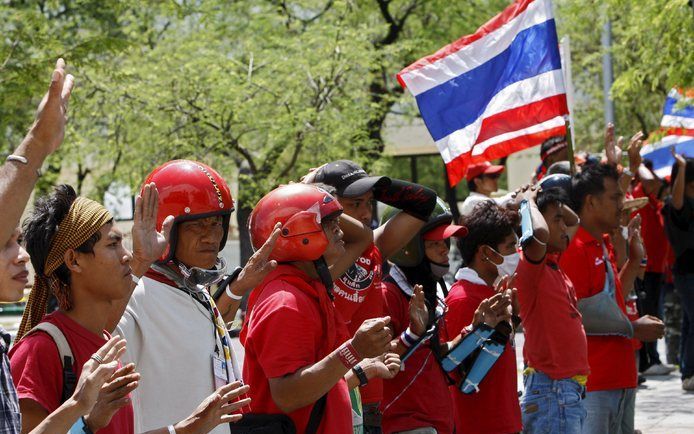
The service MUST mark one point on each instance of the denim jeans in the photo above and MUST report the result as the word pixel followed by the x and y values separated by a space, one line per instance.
pixel 684 284
pixel 552 406
pixel 610 411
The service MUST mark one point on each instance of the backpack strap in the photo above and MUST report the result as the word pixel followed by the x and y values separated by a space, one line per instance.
pixel 66 357
pixel 316 416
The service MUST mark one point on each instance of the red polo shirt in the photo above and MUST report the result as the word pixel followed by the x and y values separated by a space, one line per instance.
pixel 495 408
pixel 611 358
pixel 418 396
pixel 551 320
pixel 653 232
pixel 292 324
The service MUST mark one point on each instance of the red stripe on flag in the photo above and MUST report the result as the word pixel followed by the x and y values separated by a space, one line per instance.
pixel 499 20
pixel 457 167
pixel 674 131
pixel 522 117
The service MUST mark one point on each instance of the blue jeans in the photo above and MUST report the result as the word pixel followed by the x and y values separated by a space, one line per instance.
pixel 610 411
pixel 552 406
pixel 684 284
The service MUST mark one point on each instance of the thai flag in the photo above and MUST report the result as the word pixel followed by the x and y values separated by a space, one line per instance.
pixel 678 126
pixel 494 92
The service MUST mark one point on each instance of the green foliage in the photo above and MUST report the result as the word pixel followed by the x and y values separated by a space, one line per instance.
pixel 271 88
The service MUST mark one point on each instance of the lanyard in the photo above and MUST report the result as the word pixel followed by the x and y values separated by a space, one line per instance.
pixel 220 329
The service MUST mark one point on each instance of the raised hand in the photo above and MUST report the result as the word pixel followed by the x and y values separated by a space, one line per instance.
pixel 148 244
pixel 636 250
pixel 493 310
pixel 373 337
pixel 634 151
pixel 505 287
pixel 216 409
pixel 613 150
pixel 679 159
pixel 48 129
pixel 258 266
pixel 112 397
pixel 419 314
pixel 95 374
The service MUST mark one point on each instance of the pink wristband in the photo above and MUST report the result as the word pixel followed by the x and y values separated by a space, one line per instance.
pixel 348 355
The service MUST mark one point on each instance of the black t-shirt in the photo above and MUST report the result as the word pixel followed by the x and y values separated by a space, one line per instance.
pixel 679 225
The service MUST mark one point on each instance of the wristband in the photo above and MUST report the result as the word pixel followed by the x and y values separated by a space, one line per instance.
pixel 22 160
pixel 348 355
pixel 80 427
pixel 408 338
pixel 231 295
pixel 361 375
pixel 171 429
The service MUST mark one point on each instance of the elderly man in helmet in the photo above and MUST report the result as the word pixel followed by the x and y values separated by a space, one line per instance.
pixel 176 335
pixel 299 355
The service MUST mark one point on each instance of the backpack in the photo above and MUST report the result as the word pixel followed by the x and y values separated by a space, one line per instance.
pixel 66 357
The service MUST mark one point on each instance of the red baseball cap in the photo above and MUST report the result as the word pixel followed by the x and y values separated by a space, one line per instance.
pixel 443 232
pixel 485 168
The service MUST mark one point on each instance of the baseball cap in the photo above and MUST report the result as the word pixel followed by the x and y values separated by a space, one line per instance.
pixel 442 232
pixel 348 178
pixel 479 169
pixel 552 145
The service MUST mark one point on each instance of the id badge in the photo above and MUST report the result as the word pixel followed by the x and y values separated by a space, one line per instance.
pixel 219 367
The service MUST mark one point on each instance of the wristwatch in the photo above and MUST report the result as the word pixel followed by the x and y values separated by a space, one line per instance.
pixel 361 375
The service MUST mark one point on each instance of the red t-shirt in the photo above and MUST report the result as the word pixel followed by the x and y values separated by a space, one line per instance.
pixel 38 373
pixel 418 396
pixel 292 324
pixel 653 232
pixel 611 358
pixel 495 408
pixel 358 297
pixel 551 320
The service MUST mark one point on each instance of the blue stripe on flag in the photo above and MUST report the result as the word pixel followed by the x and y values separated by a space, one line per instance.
pixel 669 109
pixel 662 157
pixel 456 104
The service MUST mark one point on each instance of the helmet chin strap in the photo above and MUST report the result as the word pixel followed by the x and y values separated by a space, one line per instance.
pixel 324 275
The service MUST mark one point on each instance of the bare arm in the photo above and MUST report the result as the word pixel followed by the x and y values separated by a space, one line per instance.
pixel 17 180
pixel 536 249
pixel 678 185
pixel 258 266
pixel 357 237
pixel 632 267
pixel 308 384
pixel 396 233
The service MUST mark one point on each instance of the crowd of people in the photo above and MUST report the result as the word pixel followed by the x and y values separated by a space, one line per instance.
pixel 351 323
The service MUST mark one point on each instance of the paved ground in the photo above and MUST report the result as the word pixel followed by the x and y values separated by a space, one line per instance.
pixel 662 407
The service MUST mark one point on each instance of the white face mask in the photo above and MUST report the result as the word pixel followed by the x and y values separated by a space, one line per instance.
pixel 438 270
pixel 508 267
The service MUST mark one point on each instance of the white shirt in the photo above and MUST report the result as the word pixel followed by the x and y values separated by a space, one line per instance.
pixel 474 198
pixel 171 339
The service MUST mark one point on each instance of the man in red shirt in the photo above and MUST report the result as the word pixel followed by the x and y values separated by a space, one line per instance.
pixel 491 241
pixel 590 264
pixel 653 283
pixel 358 291
pixel 299 357
pixel 554 378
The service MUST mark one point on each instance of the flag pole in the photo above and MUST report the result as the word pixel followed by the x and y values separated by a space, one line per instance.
pixel 570 148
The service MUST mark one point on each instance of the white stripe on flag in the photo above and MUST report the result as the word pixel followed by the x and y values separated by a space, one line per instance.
pixel 677 122
pixel 663 143
pixel 552 123
pixel 513 96
pixel 476 53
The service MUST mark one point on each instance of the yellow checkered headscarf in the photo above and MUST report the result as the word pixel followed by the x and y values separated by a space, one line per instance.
pixel 84 219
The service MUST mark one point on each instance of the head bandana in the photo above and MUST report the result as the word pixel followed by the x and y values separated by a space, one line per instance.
pixel 84 219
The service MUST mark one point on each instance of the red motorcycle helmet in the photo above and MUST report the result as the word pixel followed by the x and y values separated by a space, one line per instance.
pixel 300 208
pixel 189 190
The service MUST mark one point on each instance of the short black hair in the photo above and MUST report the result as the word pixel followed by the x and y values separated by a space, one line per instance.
pixel 487 224
pixel 688 171
pixel 590 181
pixel 42 225
pixel 471 185
pixel 554 195
pixel 563 167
